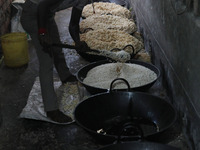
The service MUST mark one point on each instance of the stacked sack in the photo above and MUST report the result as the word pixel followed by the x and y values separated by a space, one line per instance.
pixel 109 26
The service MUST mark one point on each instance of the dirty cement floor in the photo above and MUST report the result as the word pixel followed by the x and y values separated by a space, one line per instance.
pixel 25 134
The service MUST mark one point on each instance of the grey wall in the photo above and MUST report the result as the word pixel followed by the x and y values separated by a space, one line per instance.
pixel 172 34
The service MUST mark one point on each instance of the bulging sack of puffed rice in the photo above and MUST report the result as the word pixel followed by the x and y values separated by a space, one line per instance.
pixel 106 8
pixel 105 39
pixel 108 22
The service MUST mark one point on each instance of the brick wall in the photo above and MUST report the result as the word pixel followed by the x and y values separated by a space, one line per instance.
pixel 5 13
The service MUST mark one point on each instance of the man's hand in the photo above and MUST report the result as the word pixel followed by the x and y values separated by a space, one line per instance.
pixel 46 43
pixel 82 47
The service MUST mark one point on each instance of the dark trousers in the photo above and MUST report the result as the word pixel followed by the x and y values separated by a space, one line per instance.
pixel 46 62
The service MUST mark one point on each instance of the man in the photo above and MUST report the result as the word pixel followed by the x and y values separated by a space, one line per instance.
pixel 38 20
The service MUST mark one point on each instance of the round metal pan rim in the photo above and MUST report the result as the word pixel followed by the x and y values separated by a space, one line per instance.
pixel 144 64
pixel 140 144
pixel 93 97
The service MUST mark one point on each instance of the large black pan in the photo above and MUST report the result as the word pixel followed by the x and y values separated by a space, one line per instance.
pixel 106 115
pixel 138 146
pixel 93 57
pixel 82 73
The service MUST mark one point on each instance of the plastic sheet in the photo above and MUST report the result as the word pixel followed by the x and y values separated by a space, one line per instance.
pixel 15 20
pixel 68 96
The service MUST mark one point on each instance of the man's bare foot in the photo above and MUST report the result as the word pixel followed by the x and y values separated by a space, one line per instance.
pixel 58 116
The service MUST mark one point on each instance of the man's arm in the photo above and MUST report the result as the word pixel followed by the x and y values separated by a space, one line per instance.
pixel 75 18
pixel 74 28
pixel 74 24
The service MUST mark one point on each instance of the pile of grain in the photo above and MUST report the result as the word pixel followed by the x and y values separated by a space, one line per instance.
pixel 120 56
pixel 143 56
pixel 106 8
pixel 112 27
pixel 102 76
pixel 108 22
pixel 103 39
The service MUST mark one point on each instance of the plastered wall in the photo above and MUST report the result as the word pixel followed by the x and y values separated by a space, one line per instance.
pixel 171 31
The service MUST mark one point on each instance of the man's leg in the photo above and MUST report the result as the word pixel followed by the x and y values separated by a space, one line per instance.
pixel 29 23
pixel 58 55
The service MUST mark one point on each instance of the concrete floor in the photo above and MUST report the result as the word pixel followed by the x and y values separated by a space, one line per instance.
pixel 16 133
pixel 25 134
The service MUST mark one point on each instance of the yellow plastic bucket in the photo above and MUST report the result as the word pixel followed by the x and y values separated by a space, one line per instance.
pixel 15 49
